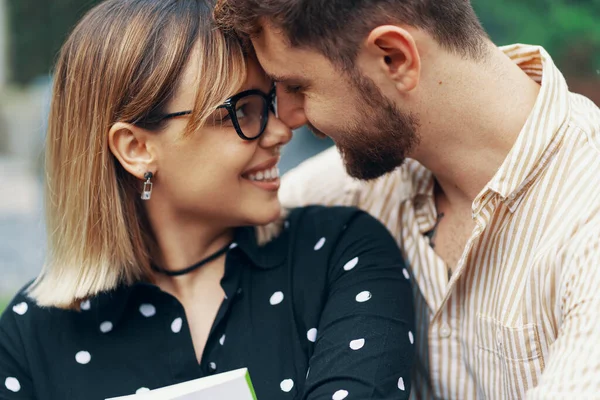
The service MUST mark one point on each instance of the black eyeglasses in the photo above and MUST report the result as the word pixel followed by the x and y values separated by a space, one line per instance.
pixel 247 112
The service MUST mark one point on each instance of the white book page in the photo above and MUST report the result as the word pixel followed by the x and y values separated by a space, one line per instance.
pixel 228 385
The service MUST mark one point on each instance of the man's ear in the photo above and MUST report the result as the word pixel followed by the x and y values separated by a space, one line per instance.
pixel 396 55
pixel 129 145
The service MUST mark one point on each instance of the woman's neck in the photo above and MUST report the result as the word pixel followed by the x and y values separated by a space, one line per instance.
pixel 182 242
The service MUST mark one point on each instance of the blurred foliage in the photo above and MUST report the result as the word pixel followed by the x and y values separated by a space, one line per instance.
pixel 37 30
pixel 568 29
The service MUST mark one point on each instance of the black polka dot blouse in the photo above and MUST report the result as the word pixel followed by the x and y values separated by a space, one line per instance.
pixel 322 312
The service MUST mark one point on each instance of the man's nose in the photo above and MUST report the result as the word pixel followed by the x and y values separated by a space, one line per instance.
pixel 290 108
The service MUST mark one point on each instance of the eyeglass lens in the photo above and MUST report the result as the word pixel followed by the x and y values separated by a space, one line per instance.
pixel 250 112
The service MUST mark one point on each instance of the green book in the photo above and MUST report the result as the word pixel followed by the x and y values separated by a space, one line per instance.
pixel 228 385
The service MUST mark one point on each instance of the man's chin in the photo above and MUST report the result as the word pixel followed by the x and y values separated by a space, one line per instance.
pixel 317 132
pixel 366 169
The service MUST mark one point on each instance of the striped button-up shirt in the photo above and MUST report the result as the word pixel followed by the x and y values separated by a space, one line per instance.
pixel 520 316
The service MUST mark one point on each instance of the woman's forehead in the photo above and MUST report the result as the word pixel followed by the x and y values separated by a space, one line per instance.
pixel 256 77
pixel 191 80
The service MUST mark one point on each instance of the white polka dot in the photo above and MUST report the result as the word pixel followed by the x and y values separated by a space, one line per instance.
pixel 85 305
pixel 142 390
pixel 12 384
pixel 276 298
pixel 286 385
pixel 411 337
pixel 357 344
pixel 363 296
pixel 83 357
pixel 20 308
pixel 286 224
pixel 176 325
pixel 233 246
pixel 340 395
pixel 401 384
pixel 147 310
pixel 351 264
pixel 320 244
pixel 312 334
pixel 212 366
pixel 106 327
pixel 222 340
pixel 405 272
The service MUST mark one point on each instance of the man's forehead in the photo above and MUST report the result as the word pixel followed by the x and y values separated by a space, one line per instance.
pixel 269 43
pixel 276 58
pixel 281 61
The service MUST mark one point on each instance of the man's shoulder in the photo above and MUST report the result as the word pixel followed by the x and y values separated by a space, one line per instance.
pixel 323 179
pixel 317 180
pixel 585 115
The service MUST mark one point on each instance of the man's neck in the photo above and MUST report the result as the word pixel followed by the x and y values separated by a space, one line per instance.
pixel 472 121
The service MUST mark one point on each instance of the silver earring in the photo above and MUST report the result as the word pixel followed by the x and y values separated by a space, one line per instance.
pixel 147 189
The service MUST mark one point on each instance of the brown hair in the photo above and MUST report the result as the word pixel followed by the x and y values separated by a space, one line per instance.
pixel 335 28
pixel 122 62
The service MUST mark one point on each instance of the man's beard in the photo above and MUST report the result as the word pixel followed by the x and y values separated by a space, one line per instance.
pixel 380 136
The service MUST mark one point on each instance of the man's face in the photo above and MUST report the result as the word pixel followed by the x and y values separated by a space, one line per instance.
pixel 372 134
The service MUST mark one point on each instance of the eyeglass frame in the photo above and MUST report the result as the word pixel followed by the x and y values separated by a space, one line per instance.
pixel 229 105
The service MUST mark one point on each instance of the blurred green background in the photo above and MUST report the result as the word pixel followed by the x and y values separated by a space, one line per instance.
pixel 32 31
pixel 568 29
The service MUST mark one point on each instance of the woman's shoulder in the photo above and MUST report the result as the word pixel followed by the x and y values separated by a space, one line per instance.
pixel 320 235
pixel 329 217
pixel 295 220
pixel 334 221
pixel 24 316
pixel 18 319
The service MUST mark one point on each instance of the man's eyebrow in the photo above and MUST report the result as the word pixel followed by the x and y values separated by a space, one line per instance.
pixel 284 78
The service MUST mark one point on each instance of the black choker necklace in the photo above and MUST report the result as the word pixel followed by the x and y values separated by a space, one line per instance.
pixel 194 267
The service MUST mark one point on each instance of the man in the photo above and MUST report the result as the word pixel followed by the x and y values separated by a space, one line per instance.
pixel 498 208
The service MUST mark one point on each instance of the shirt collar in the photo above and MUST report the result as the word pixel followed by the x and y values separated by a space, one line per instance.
pixel 541 135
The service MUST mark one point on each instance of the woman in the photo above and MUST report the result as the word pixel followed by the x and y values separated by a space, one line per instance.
pixel 161 158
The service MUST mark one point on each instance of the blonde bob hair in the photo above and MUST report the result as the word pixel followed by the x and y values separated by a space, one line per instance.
pixel 122 62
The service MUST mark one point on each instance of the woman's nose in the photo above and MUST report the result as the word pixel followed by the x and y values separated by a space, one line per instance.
pixel 276 133
pixel 290 108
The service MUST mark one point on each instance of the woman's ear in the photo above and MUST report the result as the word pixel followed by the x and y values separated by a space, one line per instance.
pixel 396 55
pixel 129 144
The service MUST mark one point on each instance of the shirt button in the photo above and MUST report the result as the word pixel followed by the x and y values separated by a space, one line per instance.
pixel 212 367
pixel 445 331
pixel 499 337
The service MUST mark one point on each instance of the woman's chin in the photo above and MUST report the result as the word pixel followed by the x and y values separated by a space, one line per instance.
pixel 266 214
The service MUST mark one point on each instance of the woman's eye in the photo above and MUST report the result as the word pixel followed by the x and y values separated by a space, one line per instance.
pixel 240 113
pixel 221 116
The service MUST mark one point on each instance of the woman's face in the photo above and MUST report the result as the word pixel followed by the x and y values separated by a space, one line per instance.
pixel 214 175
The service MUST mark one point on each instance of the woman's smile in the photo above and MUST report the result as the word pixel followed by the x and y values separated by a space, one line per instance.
pixel 264 175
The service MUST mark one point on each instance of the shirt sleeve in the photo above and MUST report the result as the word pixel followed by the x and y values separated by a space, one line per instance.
pixel 573 367
pixel 321 179
pixel 364 347
pixel 15 381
